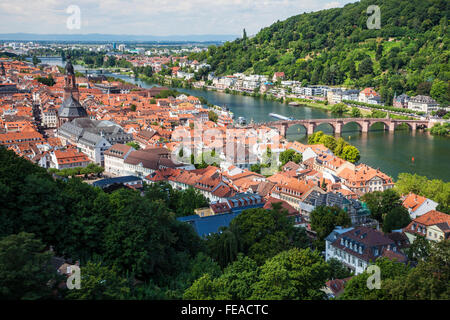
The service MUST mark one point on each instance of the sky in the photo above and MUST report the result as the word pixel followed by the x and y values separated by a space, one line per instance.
pixel 152 17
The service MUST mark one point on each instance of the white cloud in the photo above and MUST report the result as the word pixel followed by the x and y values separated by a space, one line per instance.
pixel 333 4
pixel 152 17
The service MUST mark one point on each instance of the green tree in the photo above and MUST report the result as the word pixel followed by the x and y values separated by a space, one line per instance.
pixel 339 108
pixel 379 52
pixel 36 61
pixel 293 274
pixel 340 144
pixel 428 280
pixel 373 201
pixel 140 234
pixel 355 112
pixel 261 233
pixel 357 289
pixel 390 200
pixel 239 277
pixel 49 81
pixel 244 35
pixel 419 250
pixel 440 91
pixel 255 168
pixel 189 200
pixel 315 137
pixel 134 144
pixel 25 268
pixel 100 283
pixel 329 142
pixel 290 155
pixel 337 269
pixel 382 203
pixel 350 153
pixel 365 67
pixel 396 218
pixel 324 219
pixel 203 288
pixel 224 247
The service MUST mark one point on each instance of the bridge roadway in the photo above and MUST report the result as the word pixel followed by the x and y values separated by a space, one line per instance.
pixel 337 124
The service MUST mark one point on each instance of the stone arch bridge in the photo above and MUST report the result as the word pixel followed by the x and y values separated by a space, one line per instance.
pixel 337 124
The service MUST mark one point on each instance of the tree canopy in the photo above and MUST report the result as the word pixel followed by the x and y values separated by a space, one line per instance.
pixel 409 54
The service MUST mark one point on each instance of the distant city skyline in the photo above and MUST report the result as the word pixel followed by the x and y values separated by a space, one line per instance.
pixel 153 17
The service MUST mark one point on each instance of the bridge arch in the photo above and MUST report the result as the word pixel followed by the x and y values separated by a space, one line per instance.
pixel 424 125
pixel 403 126
pixel 297 129
pixel 325 127
pixel 376 123
pixel 346 128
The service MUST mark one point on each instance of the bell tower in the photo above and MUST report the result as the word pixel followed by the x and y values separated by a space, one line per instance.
pixel 70 87
pixel 2 70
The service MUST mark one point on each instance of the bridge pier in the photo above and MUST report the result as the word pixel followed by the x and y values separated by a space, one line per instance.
pixel 338 128
pixel 310 128
pixel 283 130
pixel 391 126
pixel 365 127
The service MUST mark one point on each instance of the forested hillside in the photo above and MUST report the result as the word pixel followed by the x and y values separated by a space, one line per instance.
pixel 334 47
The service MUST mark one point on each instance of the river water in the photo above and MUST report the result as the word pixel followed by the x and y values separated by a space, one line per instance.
pixel 392 153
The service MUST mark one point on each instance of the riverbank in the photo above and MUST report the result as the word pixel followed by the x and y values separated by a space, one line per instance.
pixel 182 84
pixel 378 148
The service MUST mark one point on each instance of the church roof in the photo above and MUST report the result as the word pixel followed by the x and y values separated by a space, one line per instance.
pixel 71 108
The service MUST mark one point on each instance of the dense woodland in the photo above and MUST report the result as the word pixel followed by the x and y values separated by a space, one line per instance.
pixel 409 54
pixel 131 240
pixel 130 245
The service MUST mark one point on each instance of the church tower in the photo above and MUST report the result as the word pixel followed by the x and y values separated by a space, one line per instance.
pixel 70 108
pixel 70 86
pixel 2 70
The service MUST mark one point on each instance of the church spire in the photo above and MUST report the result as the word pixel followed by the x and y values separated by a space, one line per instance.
pixel 2 70
pixel 70 87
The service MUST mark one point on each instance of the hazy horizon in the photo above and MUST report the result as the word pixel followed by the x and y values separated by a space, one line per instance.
pixel 160 18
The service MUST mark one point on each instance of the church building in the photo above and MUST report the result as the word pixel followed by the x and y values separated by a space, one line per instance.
pixel 70 108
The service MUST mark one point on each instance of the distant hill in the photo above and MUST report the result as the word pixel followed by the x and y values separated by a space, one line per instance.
pixel 112 37
pixel 408 54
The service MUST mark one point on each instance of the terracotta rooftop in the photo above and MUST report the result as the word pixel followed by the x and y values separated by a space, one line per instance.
pixel 433 217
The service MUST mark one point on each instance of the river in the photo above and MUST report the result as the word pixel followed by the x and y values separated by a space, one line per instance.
pixel 392 153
